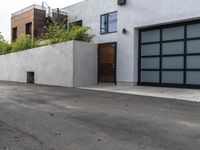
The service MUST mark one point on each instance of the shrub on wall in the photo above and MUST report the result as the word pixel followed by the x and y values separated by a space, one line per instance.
pixel 22 43
pixel 55 34
pixel 4 46
pixel 58 33
pixel 79 33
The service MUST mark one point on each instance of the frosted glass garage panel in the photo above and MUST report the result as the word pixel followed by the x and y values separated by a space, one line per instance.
pixel 173 33
pixel 150 49
pixel 150 76
pixel 193 31
pixel 193 62
pixel 172 77
pixel 150 63
pixel 173 48
pixel 173 62
pixel 193 77
pixel 151 36
pixel 193 46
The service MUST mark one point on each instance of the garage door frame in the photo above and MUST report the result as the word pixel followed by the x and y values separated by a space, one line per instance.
pixel 160 56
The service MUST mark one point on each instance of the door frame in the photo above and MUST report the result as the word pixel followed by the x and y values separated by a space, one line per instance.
pixel 115 52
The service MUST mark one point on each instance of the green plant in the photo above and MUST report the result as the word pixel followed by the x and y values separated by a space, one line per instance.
pixel 4 46
pixel 58 33
pixel 23 43
pixel 79 33
pixel 55 34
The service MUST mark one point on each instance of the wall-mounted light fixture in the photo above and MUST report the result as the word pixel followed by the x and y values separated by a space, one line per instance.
pixel 124 31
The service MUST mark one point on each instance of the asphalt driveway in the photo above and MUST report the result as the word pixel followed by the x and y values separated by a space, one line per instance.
pixel 53 118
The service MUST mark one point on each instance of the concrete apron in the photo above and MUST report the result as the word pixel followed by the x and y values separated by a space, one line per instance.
pixel 172 93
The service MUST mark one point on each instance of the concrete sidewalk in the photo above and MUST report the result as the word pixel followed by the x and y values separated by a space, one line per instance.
pixel 172 93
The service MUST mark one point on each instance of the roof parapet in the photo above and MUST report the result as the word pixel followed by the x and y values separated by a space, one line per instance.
pixel 29 8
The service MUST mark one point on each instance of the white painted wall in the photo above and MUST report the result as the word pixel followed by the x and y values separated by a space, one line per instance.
pixel 89 11
pixel 144 13
pixel 85 64
pixel 135 14
pixel 53 65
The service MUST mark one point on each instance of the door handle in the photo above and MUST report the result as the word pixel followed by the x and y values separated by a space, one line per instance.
pixel 113 65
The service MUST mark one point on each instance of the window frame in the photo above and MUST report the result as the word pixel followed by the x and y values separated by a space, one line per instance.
pixel 107 25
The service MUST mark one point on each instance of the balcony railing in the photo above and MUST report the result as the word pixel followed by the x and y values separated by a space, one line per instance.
pixel 29 8
pixel 55 11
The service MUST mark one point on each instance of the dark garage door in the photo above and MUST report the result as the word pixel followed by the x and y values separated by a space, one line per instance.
pixel 170 55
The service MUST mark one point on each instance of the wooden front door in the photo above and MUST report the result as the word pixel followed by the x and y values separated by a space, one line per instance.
pixel 107 62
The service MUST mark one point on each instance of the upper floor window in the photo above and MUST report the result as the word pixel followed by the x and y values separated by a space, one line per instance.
pixel 79 23
pixel 29 28
pixel 14 34
pixel 108 23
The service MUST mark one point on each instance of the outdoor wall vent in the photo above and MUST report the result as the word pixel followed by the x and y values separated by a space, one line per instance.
pixel 121 2
pixel 30 77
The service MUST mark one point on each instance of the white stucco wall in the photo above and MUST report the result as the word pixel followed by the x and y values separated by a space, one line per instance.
pixel 53 65
pixel 135 14
pixel 144 13
pixel 89 11
pixel 85 64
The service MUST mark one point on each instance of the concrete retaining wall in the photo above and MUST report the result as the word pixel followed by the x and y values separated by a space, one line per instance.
pixel 68 64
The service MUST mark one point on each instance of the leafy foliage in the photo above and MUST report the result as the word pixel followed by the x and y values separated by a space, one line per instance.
pixel 56 33
pixel 4 46
pixel 80 33
pixel 23 43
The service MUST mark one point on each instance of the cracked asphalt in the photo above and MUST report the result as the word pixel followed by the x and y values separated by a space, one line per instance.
pixel 34 117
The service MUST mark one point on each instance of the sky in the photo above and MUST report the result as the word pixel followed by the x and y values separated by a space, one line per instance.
pixel 7 7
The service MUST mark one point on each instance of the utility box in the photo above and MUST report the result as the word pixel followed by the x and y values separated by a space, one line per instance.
pixel 121 2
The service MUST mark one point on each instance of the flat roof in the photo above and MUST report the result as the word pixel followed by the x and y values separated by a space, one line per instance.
pixel 34 6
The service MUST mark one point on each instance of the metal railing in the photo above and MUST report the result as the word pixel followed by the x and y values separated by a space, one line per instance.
pixel 29 8
pixel 55 11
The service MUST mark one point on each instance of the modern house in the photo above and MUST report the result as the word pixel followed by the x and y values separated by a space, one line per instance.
pixel 33 20
pixel 142 42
